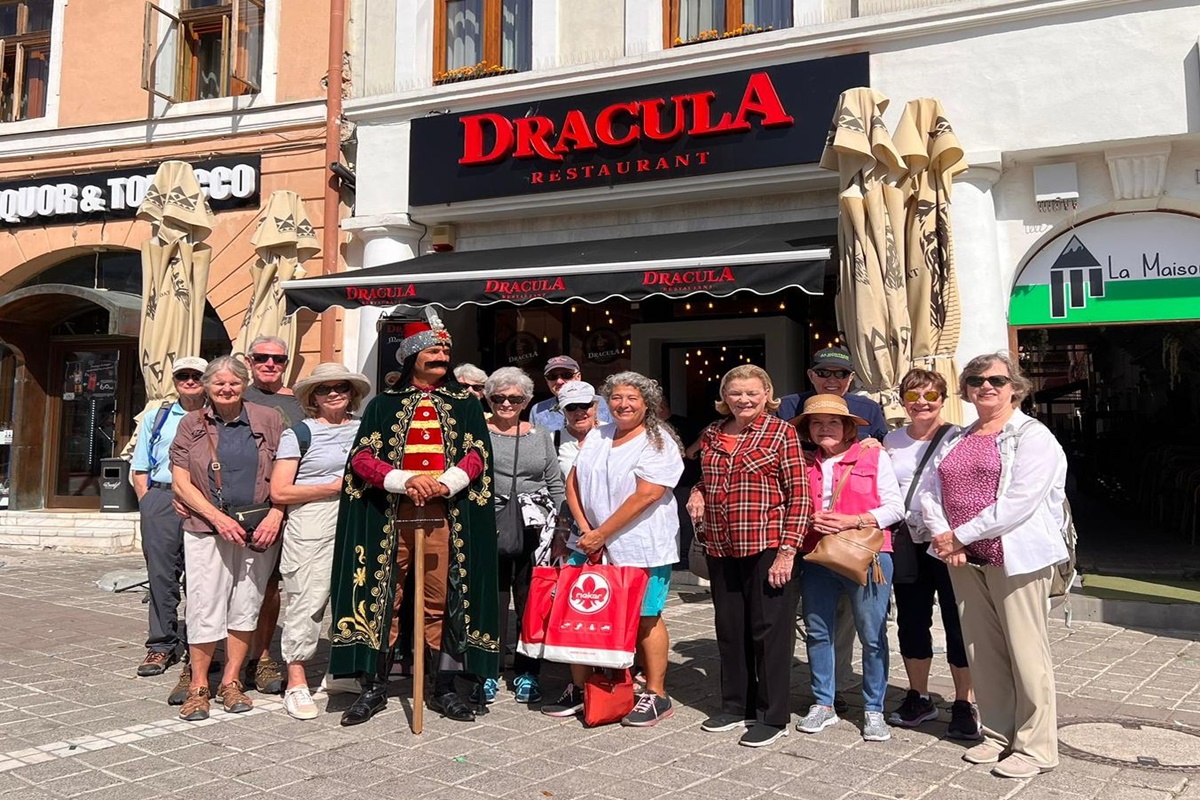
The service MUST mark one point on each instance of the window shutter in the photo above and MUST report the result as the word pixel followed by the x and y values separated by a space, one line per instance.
pixel 160 53
pixel 245 47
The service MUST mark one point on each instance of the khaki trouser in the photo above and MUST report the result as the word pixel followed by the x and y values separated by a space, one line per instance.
pixel 306 565
pixel 437 556
pixel 1008 647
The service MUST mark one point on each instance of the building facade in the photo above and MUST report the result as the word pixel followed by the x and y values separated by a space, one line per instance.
pixel 532 133
pixel 235 89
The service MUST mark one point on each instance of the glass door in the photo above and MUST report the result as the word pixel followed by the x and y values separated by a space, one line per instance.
pixel 90 417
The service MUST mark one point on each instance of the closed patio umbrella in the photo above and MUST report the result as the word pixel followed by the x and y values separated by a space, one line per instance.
pixel 175 265
pixel 871 303
pixel 284 240
pixel 933 156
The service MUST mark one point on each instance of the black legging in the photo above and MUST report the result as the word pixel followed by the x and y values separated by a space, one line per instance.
pixel 914 612
pixel 515 574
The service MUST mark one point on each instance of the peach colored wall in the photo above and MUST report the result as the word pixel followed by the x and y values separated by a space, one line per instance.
pixel 109 31
pixel 25 251
pixel 112 30
pixel 303 49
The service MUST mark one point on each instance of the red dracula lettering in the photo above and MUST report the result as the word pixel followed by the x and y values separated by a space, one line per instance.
pixel 489 137
pixel 380 295
pixel 688 278
pixel 531 286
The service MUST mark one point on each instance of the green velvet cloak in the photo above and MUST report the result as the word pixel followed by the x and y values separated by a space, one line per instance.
pixel 364 558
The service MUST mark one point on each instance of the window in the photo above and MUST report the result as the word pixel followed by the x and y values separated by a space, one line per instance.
pixel 213 48
pixel 703 20
pixel 24 58
pixel 474 38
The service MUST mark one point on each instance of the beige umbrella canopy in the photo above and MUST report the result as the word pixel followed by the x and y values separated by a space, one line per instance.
pixel 872 307
pixel 285 239
pixel 175 264
pixel 934 156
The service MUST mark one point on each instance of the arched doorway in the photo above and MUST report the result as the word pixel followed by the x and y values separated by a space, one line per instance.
pixel 69 377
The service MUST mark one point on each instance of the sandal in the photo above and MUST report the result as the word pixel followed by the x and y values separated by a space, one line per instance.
pixel 195 707
pixel 233 699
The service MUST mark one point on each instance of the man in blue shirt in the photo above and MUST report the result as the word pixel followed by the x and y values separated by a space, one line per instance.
pixel 831 372
pixel 162 528
pixel 559 371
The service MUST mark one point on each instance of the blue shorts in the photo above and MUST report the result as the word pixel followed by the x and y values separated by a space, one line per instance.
pixel 655 599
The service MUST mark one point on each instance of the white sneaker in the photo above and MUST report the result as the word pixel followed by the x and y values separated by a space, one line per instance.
pixel 298 703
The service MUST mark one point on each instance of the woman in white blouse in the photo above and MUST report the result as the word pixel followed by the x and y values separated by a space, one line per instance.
pixel 619 493
pixel 995 507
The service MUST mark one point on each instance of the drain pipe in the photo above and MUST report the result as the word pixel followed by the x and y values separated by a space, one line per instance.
pixel 331 255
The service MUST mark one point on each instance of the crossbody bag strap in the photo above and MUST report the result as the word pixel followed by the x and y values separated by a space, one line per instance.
pixel 933 445
pixel 512 495
pixel 837 491
pixel 210 430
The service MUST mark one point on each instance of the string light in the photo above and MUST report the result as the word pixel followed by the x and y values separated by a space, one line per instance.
pixel 710 305
pixel 723 348
pixel 687 306
pixel 783 306
pixel 756 309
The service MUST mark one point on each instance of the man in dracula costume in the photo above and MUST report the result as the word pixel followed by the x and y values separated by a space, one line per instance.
pixel 423 453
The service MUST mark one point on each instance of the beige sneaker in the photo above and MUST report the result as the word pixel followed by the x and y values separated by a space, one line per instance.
pixel 298 703
pixel 986 753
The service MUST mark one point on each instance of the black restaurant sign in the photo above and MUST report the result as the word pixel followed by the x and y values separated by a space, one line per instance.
pixel 227 183
pixel 771 116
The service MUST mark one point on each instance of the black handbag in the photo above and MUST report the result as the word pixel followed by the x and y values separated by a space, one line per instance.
pixel 510 522
pixel 906 555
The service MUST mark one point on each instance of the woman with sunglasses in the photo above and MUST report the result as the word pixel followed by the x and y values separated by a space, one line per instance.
pixel 995 507
pixel 923 393
pixel 525 473
pixel 307 478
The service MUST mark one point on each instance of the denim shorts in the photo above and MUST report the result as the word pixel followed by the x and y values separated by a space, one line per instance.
pixel 655 599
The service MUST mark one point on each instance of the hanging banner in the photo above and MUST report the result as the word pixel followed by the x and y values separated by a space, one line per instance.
pixel 1141 267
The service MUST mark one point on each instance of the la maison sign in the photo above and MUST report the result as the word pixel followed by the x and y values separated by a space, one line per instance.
pixel 227 183
pixel 753 119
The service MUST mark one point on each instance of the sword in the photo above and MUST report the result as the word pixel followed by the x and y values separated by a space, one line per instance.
pixel 420 527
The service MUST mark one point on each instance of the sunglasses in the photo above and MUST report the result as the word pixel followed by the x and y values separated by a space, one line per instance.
pixel 474 387
pixel 997 381
pixel 575 408
pixel 560 375
pixel 511 399
pixel 327 388
pixel 262 358
pixel 840 374
pixel 929 396
pixel 188 375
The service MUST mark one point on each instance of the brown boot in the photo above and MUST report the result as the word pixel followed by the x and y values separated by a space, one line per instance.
pixel 195 707
pixel 179 694
pixel 233 699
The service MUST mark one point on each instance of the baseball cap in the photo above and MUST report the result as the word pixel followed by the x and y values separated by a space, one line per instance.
pixel 561 362
pixel 574 392
pixel 836 357
pixel 189 362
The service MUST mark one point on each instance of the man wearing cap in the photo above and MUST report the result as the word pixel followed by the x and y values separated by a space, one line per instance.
pixel 548 413
pixel 832 372
pixel 421 465
pixel 162 528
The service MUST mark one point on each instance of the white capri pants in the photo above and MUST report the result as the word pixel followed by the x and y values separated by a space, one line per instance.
pixel 225 585
pixel 306 566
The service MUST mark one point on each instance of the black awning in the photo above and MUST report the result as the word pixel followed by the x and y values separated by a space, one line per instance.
pixel 762 259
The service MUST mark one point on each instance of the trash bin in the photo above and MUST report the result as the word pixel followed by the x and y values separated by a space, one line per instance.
pixel 116 492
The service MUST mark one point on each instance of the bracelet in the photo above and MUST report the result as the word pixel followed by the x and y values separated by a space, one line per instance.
pixel 858 521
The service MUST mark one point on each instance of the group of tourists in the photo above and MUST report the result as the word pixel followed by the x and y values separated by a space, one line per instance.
pixel 246 485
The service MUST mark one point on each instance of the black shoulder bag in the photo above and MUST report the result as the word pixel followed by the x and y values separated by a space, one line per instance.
pixel 906 556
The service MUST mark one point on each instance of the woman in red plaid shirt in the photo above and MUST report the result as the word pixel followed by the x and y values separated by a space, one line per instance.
pixel 754 503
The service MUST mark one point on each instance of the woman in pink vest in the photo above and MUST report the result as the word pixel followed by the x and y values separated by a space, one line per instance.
pixel 853 487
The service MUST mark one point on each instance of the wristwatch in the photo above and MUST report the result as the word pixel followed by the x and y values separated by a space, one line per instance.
pixel 786 548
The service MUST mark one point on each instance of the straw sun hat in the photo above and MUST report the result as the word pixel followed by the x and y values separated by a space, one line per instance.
pixel 826 404
pixel 330 372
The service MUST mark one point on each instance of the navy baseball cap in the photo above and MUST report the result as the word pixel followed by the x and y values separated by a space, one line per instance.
pixel 835 357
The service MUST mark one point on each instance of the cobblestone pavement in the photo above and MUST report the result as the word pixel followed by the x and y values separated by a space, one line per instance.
pixel 75 722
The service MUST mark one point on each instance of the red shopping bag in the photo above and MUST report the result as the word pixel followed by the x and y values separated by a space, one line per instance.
pixel 607 697
pixel 594 619
pixel 537 611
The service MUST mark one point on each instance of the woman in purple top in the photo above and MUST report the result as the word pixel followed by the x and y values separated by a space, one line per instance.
pixel 994 504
